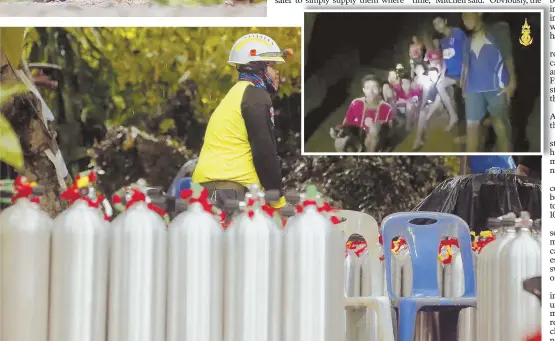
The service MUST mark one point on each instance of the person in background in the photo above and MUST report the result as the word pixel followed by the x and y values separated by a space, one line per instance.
pixel 431 103
pixel 489 80
pixel 402 94
pixel 434 55
pixel 388 94
pixel 392 134
pixel 239 147
pixel 369 112
pixel 408 100
pixel 529 166
pixel 399 70
pixel 420 86
pixel 452 45
pixel 394 80
pixel 416 53
pixel 420 79
pixel 523 165
pixel 484 163
pixel 42 80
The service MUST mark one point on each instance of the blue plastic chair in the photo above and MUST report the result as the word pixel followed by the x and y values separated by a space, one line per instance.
pixel 423 242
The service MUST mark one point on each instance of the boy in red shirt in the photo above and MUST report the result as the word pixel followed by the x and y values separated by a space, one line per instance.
pixel 369 112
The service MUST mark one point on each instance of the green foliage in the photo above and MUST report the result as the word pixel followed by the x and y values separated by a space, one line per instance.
pixel 11 42
pixel 116 73
pixel 10 149
pixel 8 91
pixel 453 165
pixel 166 125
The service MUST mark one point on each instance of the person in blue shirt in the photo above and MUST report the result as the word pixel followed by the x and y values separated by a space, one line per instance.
pixel 451 45
pixel 482 163
pixel 489 80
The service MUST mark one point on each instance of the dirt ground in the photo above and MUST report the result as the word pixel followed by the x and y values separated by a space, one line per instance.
pixel 125 8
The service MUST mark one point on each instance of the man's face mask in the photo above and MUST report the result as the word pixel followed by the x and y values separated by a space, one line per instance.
pixel 273 74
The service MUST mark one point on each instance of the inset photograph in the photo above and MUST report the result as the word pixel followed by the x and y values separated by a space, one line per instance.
pixel 433 82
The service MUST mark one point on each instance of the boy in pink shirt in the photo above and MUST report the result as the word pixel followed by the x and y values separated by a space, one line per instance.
pixel 434 55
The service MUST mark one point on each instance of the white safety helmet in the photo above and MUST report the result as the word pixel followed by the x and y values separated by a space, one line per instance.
pixel 256 48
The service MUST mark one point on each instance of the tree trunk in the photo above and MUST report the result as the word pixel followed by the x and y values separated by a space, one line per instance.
pixel 23 113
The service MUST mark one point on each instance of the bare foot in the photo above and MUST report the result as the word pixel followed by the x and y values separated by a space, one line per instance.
pixel 417 146
pixel 460 139
pixel 487 122
pixel 451 125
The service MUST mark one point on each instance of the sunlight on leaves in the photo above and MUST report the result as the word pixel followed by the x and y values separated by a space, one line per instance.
pixel 11 42
pixel 10 149
pixel 166 125
pixel 8 91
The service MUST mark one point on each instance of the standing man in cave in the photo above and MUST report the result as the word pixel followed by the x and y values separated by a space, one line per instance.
pixel 239 145
pixel 489 80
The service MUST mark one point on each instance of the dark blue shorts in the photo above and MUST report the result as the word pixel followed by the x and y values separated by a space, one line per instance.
pixel 479 104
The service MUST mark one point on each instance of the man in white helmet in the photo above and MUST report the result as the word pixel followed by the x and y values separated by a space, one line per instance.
pixel 239 146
